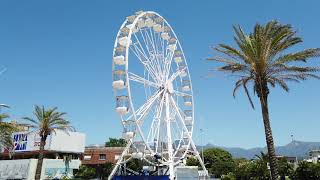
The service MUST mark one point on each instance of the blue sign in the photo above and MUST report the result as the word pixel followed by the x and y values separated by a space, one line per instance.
pixel 20 142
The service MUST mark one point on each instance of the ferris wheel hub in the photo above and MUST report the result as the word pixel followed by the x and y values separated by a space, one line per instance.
pixel 170 87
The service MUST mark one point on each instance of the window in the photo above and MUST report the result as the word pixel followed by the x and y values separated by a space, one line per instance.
pixel 86 157
pixel 102 157
pixel 116 157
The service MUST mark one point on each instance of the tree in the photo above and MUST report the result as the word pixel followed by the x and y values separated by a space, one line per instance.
pixel 6 130
pixel 284 168
pixel 192 161
pixel 261 60
pixel 114 142
pixel 104 170
pixel 46 123
pixel 254 169
pixel 86 172
pixel 307 170
pixel 218 161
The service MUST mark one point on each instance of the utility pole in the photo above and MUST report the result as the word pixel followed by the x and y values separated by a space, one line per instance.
pixel 201 134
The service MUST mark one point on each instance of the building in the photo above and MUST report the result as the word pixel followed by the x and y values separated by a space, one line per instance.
pixel 62 154
pixel 96 154
pixel 290 159
pixel 314 156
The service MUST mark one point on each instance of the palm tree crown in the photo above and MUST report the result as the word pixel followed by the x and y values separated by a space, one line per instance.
pixel 261 58
pixel 6 130
pixel 48 121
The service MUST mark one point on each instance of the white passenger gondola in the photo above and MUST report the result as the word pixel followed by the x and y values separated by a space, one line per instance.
pixel 122 106
pixel 157 28
pixel 165 36
pixel 149 22
pixel 128 135
pixel 141 23
pixel 187 100
pixel 137 155
pixel 185 135
pixel 188 116
pixel 119 79
pixel 119 60
pixel 183 71
pixel 184 147
pixel 129 129
pixel 135 30
pixel 123 41
pixel 178 59
pixel 186 85
pixel 171 47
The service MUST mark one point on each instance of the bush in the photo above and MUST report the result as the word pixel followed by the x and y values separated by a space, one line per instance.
pixel 307 170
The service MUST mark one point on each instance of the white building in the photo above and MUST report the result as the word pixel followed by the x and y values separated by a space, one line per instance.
pixel 62 155
pixel 314 156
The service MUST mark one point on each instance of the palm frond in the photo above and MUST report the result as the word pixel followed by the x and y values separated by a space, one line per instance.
pixel 263 56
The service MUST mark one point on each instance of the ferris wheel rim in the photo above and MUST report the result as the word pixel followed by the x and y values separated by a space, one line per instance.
pixel 128 87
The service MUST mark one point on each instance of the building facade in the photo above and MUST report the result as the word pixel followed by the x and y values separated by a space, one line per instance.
pixel 95 155
pixel 62 155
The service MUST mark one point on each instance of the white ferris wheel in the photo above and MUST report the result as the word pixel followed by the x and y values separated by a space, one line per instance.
pixel 154 96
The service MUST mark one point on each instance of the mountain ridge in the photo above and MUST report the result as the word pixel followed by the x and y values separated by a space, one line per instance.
pixel 299 149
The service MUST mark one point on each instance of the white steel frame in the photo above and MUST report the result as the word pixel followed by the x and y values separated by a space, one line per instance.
pixel 153 53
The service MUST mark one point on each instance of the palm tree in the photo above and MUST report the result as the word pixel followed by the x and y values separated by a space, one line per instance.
pixel 261 59
pixel 6 129
pixel 46 123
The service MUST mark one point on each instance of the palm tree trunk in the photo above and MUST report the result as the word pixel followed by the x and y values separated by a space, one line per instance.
pixel 269 138
pixel 40 158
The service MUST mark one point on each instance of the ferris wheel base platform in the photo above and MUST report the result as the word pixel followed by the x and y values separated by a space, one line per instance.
pixel 141 177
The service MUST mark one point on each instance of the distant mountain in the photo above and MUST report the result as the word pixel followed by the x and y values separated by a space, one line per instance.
pixel 298 149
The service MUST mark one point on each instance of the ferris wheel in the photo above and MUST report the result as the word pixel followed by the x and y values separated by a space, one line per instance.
pixel 153 93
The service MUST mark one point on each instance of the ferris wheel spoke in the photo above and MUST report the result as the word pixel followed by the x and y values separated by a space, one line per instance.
pixel 179 93
pixel 168 61
pixel 157 123
pixel 148 60
pixel 154 52
pixel 139 79
pixel 145 107
pixel 145 61
pixel 139 121
pixel 176 74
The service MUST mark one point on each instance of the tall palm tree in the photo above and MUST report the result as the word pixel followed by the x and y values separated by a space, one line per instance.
pixel 261 60
pixel 45 124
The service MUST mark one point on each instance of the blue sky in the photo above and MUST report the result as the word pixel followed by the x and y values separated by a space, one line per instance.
pixel 58 53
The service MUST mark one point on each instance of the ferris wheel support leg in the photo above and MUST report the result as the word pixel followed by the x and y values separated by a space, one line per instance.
pixel 193 146
pixel 114 170
pixel 198 155
pixel 170 149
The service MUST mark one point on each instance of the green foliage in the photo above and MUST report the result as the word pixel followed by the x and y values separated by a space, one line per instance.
pixel 192 161
pixel 135 165
pixel 229 176
pixel 218 161
pixel 6 130
pixel 252 170
pixel 261 58
pixel 104 170
pixel 47 121
pixel 307 171
pixel 285 168
pixel 86 172
pixel 114 142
